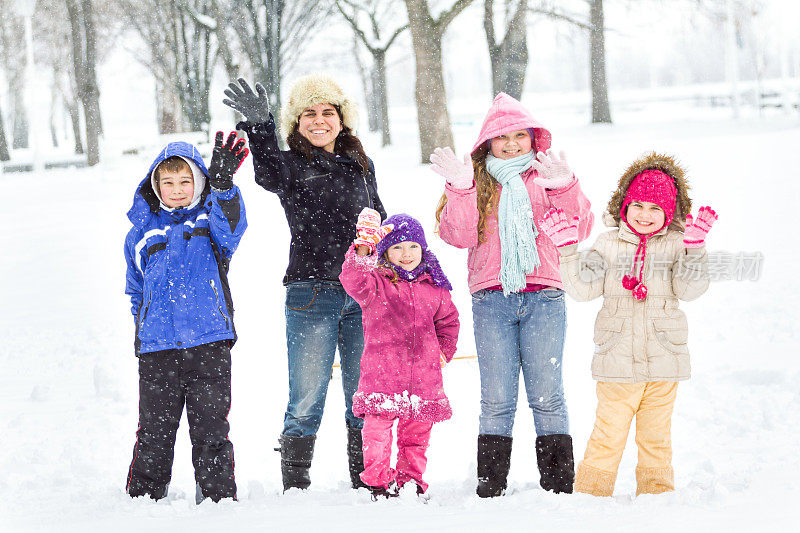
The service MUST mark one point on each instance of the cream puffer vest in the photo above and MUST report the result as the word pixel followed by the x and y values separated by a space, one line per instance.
pixel 636 340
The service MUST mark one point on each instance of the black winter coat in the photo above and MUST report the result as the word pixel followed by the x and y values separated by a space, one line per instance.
pixel 321 198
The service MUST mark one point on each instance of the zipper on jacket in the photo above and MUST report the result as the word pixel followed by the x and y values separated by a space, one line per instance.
pixel 219 308
pixel 146 307
pixel 366 188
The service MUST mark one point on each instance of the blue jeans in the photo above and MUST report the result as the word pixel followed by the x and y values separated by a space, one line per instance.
pixel 319 317
pixel 524 330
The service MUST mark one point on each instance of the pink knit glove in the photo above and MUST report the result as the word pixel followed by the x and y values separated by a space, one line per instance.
pixel 554 171
pixel 694 236
pixel 369 229
pixel 445 163
pixel 559 228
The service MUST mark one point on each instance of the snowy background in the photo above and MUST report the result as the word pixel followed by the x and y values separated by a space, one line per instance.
pixel 69 379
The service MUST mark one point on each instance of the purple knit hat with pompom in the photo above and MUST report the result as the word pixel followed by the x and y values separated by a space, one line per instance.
pixel 407 228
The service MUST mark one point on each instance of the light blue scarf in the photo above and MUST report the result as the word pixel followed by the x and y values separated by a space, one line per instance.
pixel 518 253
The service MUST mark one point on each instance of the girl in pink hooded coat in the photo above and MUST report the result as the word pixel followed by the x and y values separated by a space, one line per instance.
pixel 490 204
pixel 410 326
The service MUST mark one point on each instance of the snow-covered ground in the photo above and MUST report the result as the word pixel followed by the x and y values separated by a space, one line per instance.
pixel 68 376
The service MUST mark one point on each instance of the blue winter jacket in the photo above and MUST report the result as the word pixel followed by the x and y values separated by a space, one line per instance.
pixel 177 263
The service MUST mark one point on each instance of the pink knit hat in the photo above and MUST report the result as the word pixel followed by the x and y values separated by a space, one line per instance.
pixel 656 187
pixel 652 186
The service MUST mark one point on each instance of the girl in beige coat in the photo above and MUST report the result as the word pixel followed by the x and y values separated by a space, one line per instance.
pixel 654 256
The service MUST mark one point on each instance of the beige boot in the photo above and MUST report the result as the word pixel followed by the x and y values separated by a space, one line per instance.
pixel 593 481
pixel 654 480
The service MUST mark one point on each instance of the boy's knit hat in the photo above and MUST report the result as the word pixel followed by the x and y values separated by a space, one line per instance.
pixel 407 228
pixel 312 90
pixel 656 187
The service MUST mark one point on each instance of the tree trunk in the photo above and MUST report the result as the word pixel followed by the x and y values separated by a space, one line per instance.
pixel 509 59
pixel 75 117
pixel 91 91
pixel 601 112
pixel 432 117
pixel 380 98
pixel 4 155
pixel 19 117
pixel 84 60
pixel 273 49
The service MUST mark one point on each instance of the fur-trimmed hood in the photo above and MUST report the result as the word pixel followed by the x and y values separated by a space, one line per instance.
pixel 312 90
pixel 664 163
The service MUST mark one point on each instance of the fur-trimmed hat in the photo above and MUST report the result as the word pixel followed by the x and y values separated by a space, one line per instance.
pixel 312 90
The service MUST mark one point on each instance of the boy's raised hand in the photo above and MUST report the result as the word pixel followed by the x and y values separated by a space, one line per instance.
pixel 554 172
pixel 694 236
pixel 369 230
pixel 225 161
pixel 445 163
pixel 253 105
pixel 559 228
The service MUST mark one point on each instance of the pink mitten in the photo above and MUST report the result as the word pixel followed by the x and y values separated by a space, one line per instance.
pixel 369 221
pixel 559 228
pixel 445 163
pixel 694 236
pixel 554 171
pixel 370 238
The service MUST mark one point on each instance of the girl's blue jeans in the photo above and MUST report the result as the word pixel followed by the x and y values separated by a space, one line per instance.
pixel 521 331
pixel 320 316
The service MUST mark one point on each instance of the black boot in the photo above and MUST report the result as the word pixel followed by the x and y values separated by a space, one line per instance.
pixel 296 455
pixel 355 457
pixel 556 464
pixel 494 461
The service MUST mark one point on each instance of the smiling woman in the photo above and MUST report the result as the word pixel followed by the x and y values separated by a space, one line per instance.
pixel 323 181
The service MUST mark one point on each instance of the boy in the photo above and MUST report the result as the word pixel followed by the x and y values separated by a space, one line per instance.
pixel 187 222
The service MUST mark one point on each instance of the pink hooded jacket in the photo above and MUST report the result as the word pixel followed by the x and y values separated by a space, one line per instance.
pixel 407 325
pixel 459 220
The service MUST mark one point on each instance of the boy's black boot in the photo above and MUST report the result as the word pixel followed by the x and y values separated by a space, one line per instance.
pixel 494 462
pixel 556 463
pixel 355 456
pixel 296 455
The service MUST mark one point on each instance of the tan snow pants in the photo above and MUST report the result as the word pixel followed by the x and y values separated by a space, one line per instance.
pixel 617 403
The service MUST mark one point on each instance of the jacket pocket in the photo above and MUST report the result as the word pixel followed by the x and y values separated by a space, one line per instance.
pixel 607 333
pixel 672 334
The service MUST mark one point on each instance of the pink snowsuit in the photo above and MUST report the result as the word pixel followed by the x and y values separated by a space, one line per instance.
pixel 459 220
pixel 407 327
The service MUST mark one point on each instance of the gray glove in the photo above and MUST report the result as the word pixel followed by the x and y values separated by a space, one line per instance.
pixel 254 107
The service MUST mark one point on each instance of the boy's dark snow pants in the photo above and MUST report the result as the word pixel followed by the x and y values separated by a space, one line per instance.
pixel 200 377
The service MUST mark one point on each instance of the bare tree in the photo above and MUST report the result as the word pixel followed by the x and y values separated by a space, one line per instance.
pixel 509 57
pixel 426 36
pixel 601 112
pixel 182 51
pixel 272 34
pixel 12 40
pixel 375 15
pixel 84 59
pixel 4 155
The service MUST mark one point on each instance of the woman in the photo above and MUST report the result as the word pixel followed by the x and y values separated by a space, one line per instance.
pixel 323 181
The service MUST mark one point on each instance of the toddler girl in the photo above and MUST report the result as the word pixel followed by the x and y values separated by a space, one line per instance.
pixel 410 325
